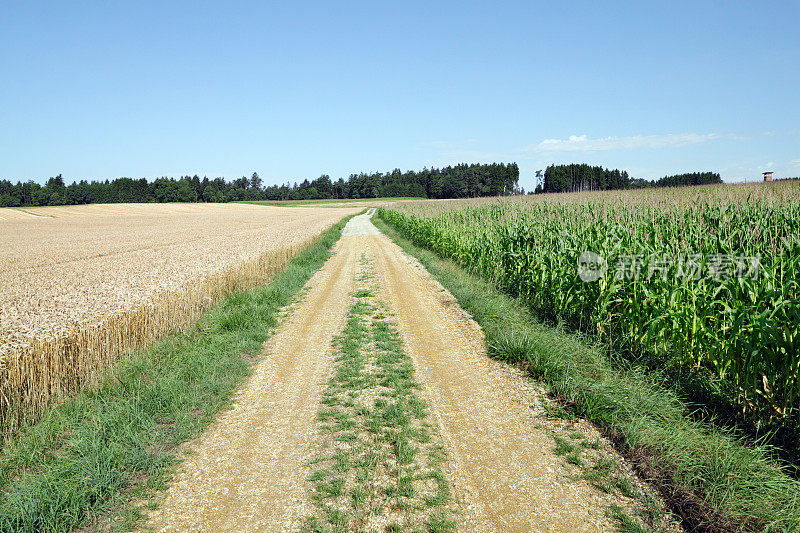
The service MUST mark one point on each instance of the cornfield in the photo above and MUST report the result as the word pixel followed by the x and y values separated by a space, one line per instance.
pixel 705 279
pixel 84 286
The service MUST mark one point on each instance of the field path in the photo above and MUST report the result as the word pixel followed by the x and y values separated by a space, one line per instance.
pixel 504 472
pixel 249 471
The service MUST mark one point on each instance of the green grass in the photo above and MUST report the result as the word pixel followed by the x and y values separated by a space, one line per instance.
pixel 626 524
pixel 383 461
pixel 363 293
pixel 602 472
pixel 563 447
pixel 736 483
pixel 88 457
pixel 327 201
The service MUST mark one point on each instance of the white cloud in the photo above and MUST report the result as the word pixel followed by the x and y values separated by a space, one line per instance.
pixel 796 162
pixel 581 143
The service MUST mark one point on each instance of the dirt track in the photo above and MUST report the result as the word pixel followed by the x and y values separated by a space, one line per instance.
pixel 249 470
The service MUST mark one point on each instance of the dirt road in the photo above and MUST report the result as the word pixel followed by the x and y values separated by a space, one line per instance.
pixel 249 471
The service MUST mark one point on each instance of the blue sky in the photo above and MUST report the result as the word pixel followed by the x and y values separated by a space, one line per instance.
pixel 296 89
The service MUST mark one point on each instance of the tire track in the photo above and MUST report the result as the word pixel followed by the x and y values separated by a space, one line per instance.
pixel 248 471
pixel 504 472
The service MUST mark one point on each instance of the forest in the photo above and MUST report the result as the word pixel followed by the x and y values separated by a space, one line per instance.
pixel 583 177
pixel 460 181
pixel 691 178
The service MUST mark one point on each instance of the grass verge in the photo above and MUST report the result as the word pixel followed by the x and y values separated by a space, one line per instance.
pixel 711 479
pixel 88 457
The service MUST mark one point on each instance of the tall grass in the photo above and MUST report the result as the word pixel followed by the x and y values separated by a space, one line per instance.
pixel 661 298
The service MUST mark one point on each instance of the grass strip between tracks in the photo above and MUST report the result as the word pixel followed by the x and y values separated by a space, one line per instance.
pixel 714 481
pixel 89 457
pixel 378 467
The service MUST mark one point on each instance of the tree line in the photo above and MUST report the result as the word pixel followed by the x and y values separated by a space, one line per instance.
pixel 459 181
pixel 582 177
pixel 690 178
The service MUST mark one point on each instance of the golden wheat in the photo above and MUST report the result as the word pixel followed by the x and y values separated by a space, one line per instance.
pixel 83 285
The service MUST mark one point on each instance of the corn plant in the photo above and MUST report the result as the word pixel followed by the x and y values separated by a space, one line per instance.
pixel 707 279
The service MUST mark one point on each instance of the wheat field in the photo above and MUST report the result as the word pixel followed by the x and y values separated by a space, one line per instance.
pixel 81 285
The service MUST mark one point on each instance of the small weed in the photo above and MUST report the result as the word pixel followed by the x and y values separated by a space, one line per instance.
pixel 595 444
pixel 651 511
pixel 441 522
pixel 599 474
pixel 558 412
pixel 575 459
pixel 330 487
pixel 563 446
pixel 625 523
pixel 626 487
